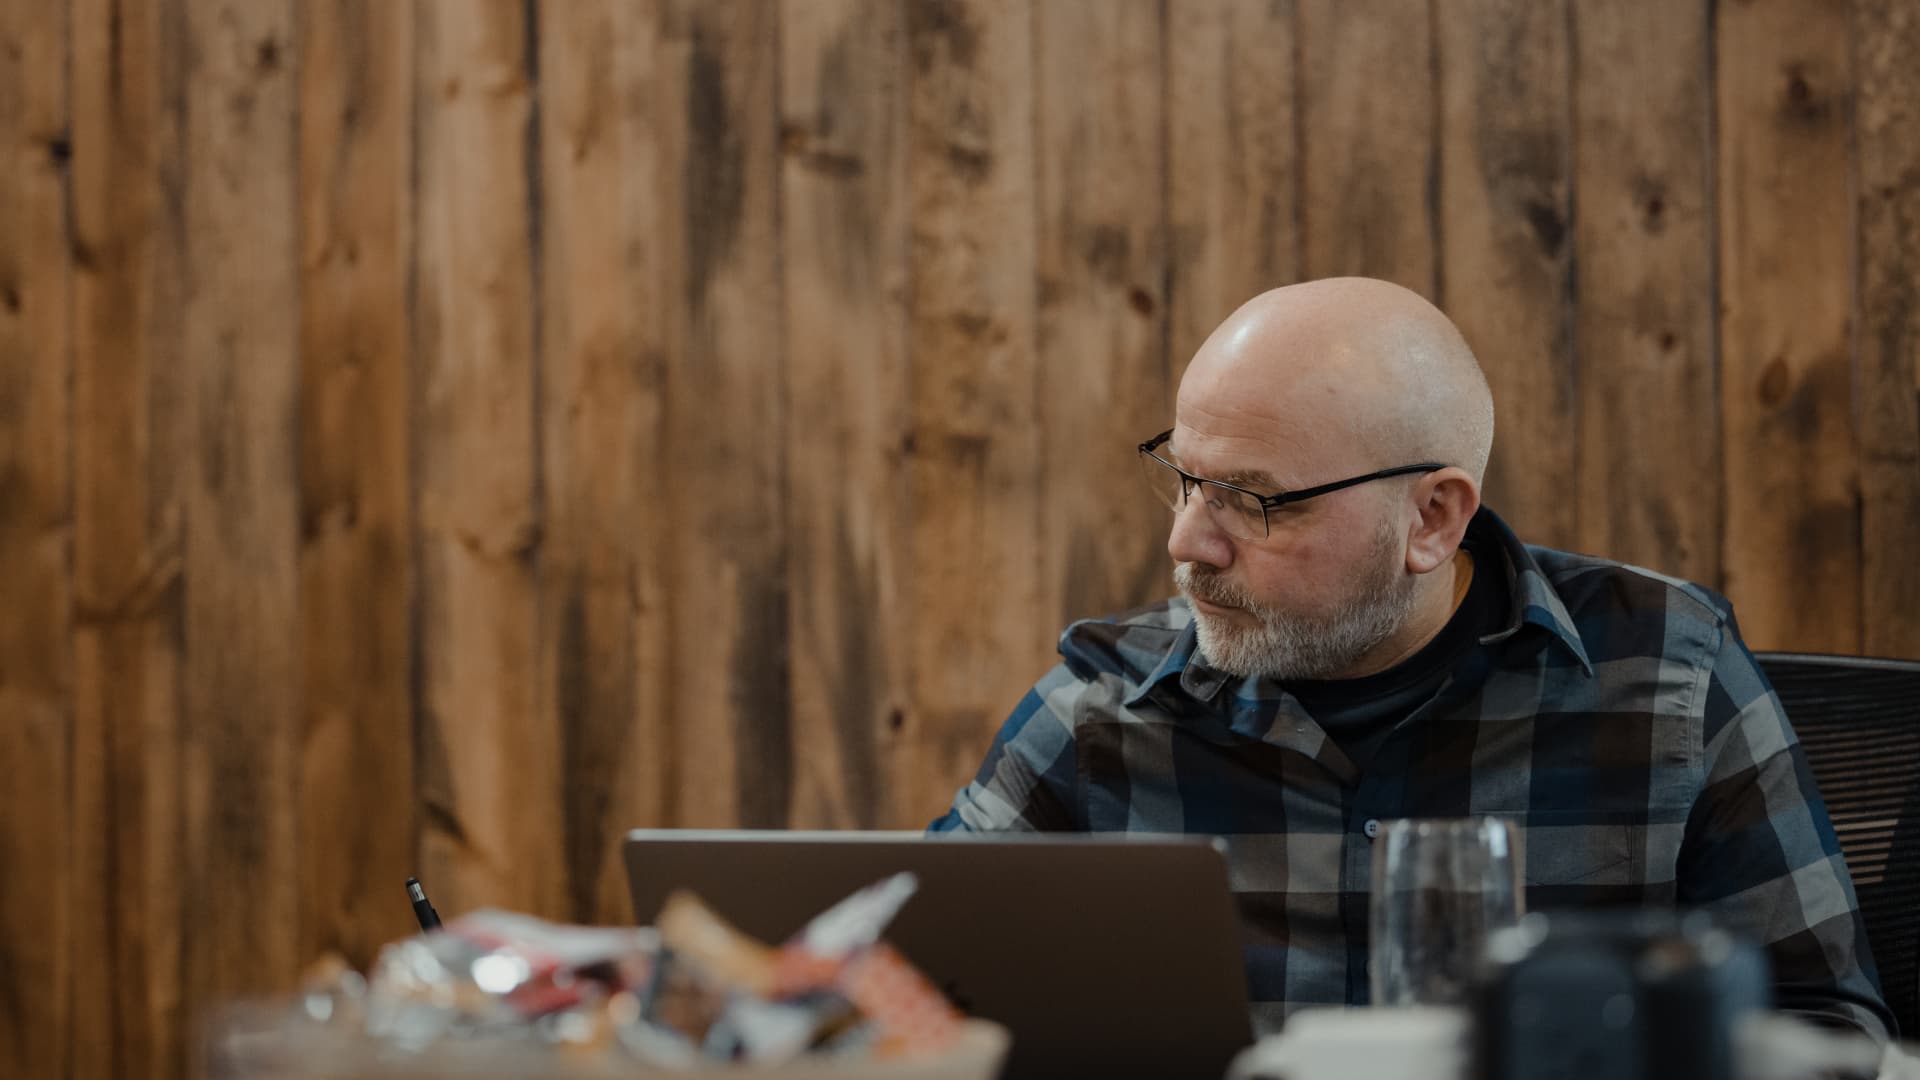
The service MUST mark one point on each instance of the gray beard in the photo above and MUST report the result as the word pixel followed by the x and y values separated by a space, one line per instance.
pixel 1284 646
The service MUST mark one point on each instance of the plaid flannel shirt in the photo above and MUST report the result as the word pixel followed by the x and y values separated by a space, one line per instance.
pixel 1618 720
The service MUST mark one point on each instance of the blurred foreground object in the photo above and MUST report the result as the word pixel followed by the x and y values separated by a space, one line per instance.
pixel 1440 888
pixel 1589 995
pixel 1632 994
pixel 1425 1042
pixel 496 994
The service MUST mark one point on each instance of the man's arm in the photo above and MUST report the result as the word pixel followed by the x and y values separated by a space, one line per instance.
pixel 1027 781
pixel 1761 853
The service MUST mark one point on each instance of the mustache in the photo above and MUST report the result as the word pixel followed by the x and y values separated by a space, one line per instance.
pixel 1206 583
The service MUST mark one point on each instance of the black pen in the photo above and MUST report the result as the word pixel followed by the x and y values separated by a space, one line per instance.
pixel 429 918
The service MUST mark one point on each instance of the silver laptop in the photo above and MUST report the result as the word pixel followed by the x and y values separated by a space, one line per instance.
pixel 1113 956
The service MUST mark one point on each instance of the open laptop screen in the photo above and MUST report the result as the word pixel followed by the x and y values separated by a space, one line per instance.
pixel 1104 955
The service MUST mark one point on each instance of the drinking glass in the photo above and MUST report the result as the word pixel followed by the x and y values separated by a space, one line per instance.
pixel 1439 889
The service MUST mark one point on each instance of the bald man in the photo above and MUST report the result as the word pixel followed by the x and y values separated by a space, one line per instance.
pixel 1356 639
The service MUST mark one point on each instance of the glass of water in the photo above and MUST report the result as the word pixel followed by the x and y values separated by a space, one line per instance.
pixel 1439 889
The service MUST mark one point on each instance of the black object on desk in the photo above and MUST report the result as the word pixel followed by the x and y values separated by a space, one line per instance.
pixel 422 910
pixel 1643 994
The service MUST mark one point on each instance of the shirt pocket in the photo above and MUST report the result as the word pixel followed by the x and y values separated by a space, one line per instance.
pixel 1575 848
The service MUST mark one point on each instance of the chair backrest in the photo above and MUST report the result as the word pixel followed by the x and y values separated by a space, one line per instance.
pixel 1859 723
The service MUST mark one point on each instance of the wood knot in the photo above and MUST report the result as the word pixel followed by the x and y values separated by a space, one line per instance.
pixel 1775 383
pixel 1803 101
pixel 1549 226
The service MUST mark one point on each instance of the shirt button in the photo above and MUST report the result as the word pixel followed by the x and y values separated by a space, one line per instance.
pixel 1371 828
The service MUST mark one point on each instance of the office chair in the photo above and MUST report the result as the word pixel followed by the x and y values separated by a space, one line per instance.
pixel 1859 723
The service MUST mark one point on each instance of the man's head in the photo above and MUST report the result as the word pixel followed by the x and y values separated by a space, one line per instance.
pixel 1308 385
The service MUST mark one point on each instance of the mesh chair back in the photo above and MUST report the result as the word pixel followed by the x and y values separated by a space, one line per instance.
pixel 1859 723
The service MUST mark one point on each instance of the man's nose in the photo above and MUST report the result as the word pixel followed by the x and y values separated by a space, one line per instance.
pixel 1195 538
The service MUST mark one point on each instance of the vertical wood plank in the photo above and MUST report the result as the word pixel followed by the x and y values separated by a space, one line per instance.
pixel 489 774
pixel 843 241
pixel 720 246
pixel 981 631
pixel 1233 199
pixel 1104 382
pixel 241 481
pixel 1648 413
pixel 603 644
pixel 1886 36
pixel 40 944
pixel 129 423
pixel 356 754
pixel 648 768
pixel 1367 140
pixel 1792 563
pixel 1506 267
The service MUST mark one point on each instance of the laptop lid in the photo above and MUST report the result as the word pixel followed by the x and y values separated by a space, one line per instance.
pixel 1103 955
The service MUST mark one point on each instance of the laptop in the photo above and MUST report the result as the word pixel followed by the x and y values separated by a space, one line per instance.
pixel 1114 956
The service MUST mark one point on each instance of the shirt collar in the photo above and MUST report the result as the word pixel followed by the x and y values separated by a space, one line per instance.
pixel 1535 601
pixel 1198 679
pixel 1535 604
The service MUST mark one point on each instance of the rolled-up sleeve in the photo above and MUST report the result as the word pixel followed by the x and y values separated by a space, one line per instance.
pixel 1761 854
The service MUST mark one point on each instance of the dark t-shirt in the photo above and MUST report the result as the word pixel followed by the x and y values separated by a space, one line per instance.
pixel 1358 713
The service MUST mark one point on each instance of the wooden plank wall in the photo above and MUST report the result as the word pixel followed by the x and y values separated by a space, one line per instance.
pixel 436 436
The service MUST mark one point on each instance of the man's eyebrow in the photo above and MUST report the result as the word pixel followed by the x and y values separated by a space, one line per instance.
pixel 1247 478
pixel 1251 479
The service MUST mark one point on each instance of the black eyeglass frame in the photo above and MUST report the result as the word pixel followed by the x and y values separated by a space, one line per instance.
pixel 1268 502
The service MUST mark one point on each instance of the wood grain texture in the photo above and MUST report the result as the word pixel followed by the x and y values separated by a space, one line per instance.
pixel 1886 38
pixel 128 249
pixel 438 436
pixel 1792 530
pixel 1104 381
pixel 733 740
pixel 1233 181
pixel 1648 415
pixel 981 631
pixel 1506 269
pixel 241 718
pixel 38 897
pixel 604 635
pixel 1367 149
pixel 844 261
pixel 356 576
pixel 489 773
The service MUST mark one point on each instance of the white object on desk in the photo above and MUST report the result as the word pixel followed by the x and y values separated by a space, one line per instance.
pixel 1434 1043
pixel 1420 1042
pixel 1781 1047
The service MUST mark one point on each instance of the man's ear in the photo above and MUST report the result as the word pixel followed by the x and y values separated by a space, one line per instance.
pixel 1444 502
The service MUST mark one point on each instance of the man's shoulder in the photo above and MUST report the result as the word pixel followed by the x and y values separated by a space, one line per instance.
pixel 1604 596
pixel 1129 645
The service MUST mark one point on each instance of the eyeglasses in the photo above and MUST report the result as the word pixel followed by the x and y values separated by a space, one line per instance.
pixel 1238 512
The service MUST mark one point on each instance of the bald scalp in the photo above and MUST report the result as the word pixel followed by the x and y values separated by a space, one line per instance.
pixel 1393 368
